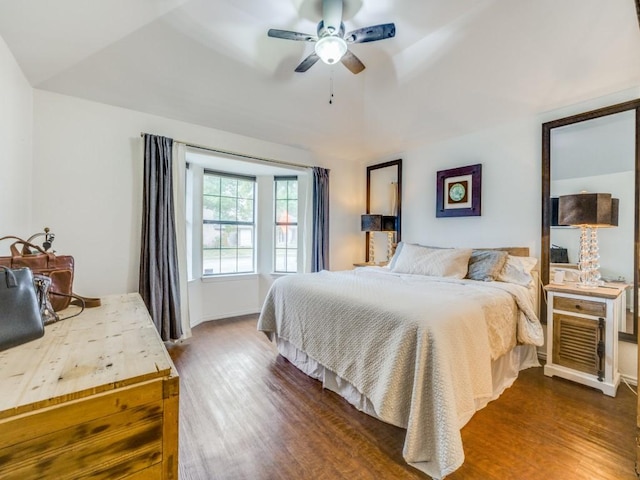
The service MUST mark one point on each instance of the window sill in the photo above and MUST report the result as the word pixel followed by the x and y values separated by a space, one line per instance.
pixel 232 277
pixel 282 274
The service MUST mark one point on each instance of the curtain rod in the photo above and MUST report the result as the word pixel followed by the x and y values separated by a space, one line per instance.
pixel 236 154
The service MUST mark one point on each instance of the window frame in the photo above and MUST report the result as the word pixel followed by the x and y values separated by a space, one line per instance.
pixel 276 223
pixel 253 224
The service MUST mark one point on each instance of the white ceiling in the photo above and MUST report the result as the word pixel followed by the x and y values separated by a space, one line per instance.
pixel 454 66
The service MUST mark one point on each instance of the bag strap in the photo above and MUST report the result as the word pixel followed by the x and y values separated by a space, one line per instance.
pixel 26 245
pixel 10 277
pixel 77 300
pixel 12 238
pixel 88 302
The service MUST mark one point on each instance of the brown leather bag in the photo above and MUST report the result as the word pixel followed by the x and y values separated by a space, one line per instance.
pixel 59 268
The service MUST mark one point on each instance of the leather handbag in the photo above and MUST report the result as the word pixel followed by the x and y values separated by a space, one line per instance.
pixel 558 254
pixel 20 320
pixel 59 268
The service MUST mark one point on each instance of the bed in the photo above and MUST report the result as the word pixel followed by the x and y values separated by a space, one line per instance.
pixel 421 344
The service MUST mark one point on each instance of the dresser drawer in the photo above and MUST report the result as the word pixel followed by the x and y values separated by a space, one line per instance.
pixel 577 305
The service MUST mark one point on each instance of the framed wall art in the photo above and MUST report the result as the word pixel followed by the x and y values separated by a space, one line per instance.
pixel 458 192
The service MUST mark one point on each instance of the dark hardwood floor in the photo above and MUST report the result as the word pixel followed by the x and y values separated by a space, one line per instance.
pixel 246 413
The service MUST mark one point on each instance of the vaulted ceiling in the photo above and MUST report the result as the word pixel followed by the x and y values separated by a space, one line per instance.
pixel 454 66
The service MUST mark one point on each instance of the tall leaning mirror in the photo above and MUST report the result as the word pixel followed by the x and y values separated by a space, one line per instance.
pixel 384 197
pixel 597 152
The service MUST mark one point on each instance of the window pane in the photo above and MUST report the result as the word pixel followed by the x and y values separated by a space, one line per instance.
pixel 210 262
pixel 228 187
pixel 245 236
pixel 228 209
pixel 292 236
pixel 292 206
pixel 210 236
pixel 245 210
pixel 281 189
pixel 228 260
pixel 281 236
pixel 292 260
pixel 210 208
pixel 281 260
pixel 281 211
pixel 293 189
pixel 211 185
pixel 229 236
pixel 245 260
pixel 245 189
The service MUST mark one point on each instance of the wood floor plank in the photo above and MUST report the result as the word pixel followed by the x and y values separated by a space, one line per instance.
pixel 247 413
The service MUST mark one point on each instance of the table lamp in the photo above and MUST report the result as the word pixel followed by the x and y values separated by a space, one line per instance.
pixel 589 211
pixel 371 223
pixel 390 225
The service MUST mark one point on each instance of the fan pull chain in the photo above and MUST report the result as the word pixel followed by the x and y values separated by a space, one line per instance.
pixel 331 88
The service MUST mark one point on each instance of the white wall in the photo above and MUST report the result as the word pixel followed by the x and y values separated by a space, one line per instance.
pixel 87 186
pixel 510 155
pixel 510 189
pixel 16 139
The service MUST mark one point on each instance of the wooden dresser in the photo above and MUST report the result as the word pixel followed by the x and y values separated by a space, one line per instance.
pixel 96 397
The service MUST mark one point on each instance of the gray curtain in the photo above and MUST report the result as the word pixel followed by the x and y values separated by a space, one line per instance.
pixel 320 243
pixel 159 283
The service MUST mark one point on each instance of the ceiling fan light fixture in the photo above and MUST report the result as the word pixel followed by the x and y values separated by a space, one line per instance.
pixel 330 49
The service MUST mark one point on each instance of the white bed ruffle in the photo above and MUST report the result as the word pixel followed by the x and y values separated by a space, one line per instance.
pixel 504 371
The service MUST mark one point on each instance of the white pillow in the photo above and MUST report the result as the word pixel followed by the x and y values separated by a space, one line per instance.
pixel 518 270
pixel 436 262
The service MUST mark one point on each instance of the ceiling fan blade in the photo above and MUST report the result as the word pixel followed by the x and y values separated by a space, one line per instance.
pixel 352 62
pixel 307 63
pixel 287 35
pixel 371 34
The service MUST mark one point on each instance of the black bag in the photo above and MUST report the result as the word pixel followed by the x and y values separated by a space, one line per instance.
pixel 20 319
pixel 558 254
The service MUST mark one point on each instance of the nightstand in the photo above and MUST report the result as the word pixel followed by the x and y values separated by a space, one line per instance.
pixel 370 264
pixel 582 334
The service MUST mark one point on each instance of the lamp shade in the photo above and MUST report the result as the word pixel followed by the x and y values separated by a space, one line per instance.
pixel 330 49
pixel 615 204
pixel 389 223
pixel 371 223
pixel 588 209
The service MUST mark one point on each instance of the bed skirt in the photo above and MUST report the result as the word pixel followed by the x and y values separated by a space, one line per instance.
pixel 504 372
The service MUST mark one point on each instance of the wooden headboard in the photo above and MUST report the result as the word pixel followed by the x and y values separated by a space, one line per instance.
pixel 515 251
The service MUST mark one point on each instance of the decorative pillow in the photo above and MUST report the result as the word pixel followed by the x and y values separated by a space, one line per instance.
pixel 436 262
pixel 486 265
pixel 396 254
pixel 518 270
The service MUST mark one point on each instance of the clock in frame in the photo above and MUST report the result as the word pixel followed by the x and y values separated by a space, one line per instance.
pixel 458 191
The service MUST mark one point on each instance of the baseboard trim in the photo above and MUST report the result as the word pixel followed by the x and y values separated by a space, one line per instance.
pixel 629 379
pixel 225 316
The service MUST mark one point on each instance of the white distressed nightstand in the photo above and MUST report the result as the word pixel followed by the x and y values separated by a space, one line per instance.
pixel 582 334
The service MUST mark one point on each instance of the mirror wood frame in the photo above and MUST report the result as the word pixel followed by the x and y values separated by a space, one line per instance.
pixel 370 168
pixel 546 196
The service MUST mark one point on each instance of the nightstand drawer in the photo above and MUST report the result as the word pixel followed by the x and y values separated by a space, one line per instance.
pixel 578 305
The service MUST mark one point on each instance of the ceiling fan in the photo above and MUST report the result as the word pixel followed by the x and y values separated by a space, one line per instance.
pixel 331 43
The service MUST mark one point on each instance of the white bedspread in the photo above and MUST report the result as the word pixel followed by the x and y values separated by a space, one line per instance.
pixel 419 348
